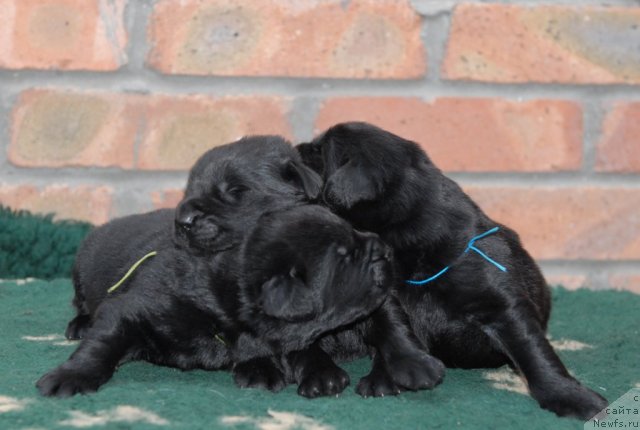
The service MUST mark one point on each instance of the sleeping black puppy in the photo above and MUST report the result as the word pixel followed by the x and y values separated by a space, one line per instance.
pixel 474 296
pixel 222 305
pixel 228 188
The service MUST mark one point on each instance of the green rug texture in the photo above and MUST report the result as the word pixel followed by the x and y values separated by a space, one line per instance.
pixel 36 246
pixel 596 333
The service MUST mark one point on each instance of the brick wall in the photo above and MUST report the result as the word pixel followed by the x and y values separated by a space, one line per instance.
pixel 534 107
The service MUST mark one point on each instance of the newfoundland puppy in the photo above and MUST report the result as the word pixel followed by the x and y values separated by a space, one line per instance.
pixel 474 296
pixel 228 188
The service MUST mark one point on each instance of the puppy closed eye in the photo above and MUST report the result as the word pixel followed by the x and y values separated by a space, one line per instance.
pixel 233 193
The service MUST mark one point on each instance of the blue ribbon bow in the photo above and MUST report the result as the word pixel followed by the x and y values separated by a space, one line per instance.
pixel 470 246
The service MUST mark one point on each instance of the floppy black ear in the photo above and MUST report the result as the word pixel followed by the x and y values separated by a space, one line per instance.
pixel 309 180
pixel 287 298
pixel 349 185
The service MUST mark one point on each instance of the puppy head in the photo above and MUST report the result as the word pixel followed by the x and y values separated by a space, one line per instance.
pixel 306 271
pixel 230 186
pixel 371 177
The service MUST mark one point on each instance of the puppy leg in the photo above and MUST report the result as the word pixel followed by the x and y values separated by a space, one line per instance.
pixel 95 360
pixel 461 344
pixel 518 334
pixel 261 372
pixel 78 326
pixel 403 357
pixel 316 374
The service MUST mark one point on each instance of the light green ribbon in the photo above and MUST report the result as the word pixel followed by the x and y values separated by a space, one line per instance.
pixel 131 270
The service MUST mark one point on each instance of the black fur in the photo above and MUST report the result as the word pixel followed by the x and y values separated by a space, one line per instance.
pixel 472 316
pixel 253 276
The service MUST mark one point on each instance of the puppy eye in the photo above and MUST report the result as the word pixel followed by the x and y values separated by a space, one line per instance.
pixel 236 192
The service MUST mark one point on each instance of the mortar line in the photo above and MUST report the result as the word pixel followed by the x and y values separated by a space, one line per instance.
pixel 146 81
pixel 137 15
pixel 435 35
pixel 94 174
pixel 593 117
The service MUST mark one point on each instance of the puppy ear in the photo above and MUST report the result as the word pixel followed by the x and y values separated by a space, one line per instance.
pixel 288 298
pixel 349 185
pixel 309 180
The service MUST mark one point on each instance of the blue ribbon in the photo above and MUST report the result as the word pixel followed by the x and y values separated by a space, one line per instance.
pixel 470 246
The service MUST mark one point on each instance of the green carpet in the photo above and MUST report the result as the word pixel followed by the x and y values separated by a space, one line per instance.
pixel 36 246
pixel 596 333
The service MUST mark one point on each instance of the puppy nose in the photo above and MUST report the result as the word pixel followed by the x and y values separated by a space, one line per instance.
pixel 186 221
pixel 186 216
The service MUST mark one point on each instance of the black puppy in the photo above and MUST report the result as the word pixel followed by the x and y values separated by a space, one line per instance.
pixel 228 188
pixel 474 296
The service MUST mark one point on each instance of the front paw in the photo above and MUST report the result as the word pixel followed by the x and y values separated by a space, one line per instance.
pixel 77 327
pixel 417 371
pixel 66 382
pixel 378 383
pixel 329 381
pixel 571 399
pixel 258 373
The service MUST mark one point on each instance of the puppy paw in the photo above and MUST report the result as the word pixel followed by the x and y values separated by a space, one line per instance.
pixel 259 373
pixel 66 382
pixel 417 371
pixel 378 383
pixel 77 327
pixel 329 381
pixel 571 399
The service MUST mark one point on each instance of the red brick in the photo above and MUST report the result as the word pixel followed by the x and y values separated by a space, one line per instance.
pixel 166 198
pixel 180 129
pixel 462 134
pixel 62 128
pixel 568 223
pixel 62 34
pixel 619 147
pixel 315 38
pixel 512 43
pixel 80 203
pixel 627 282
